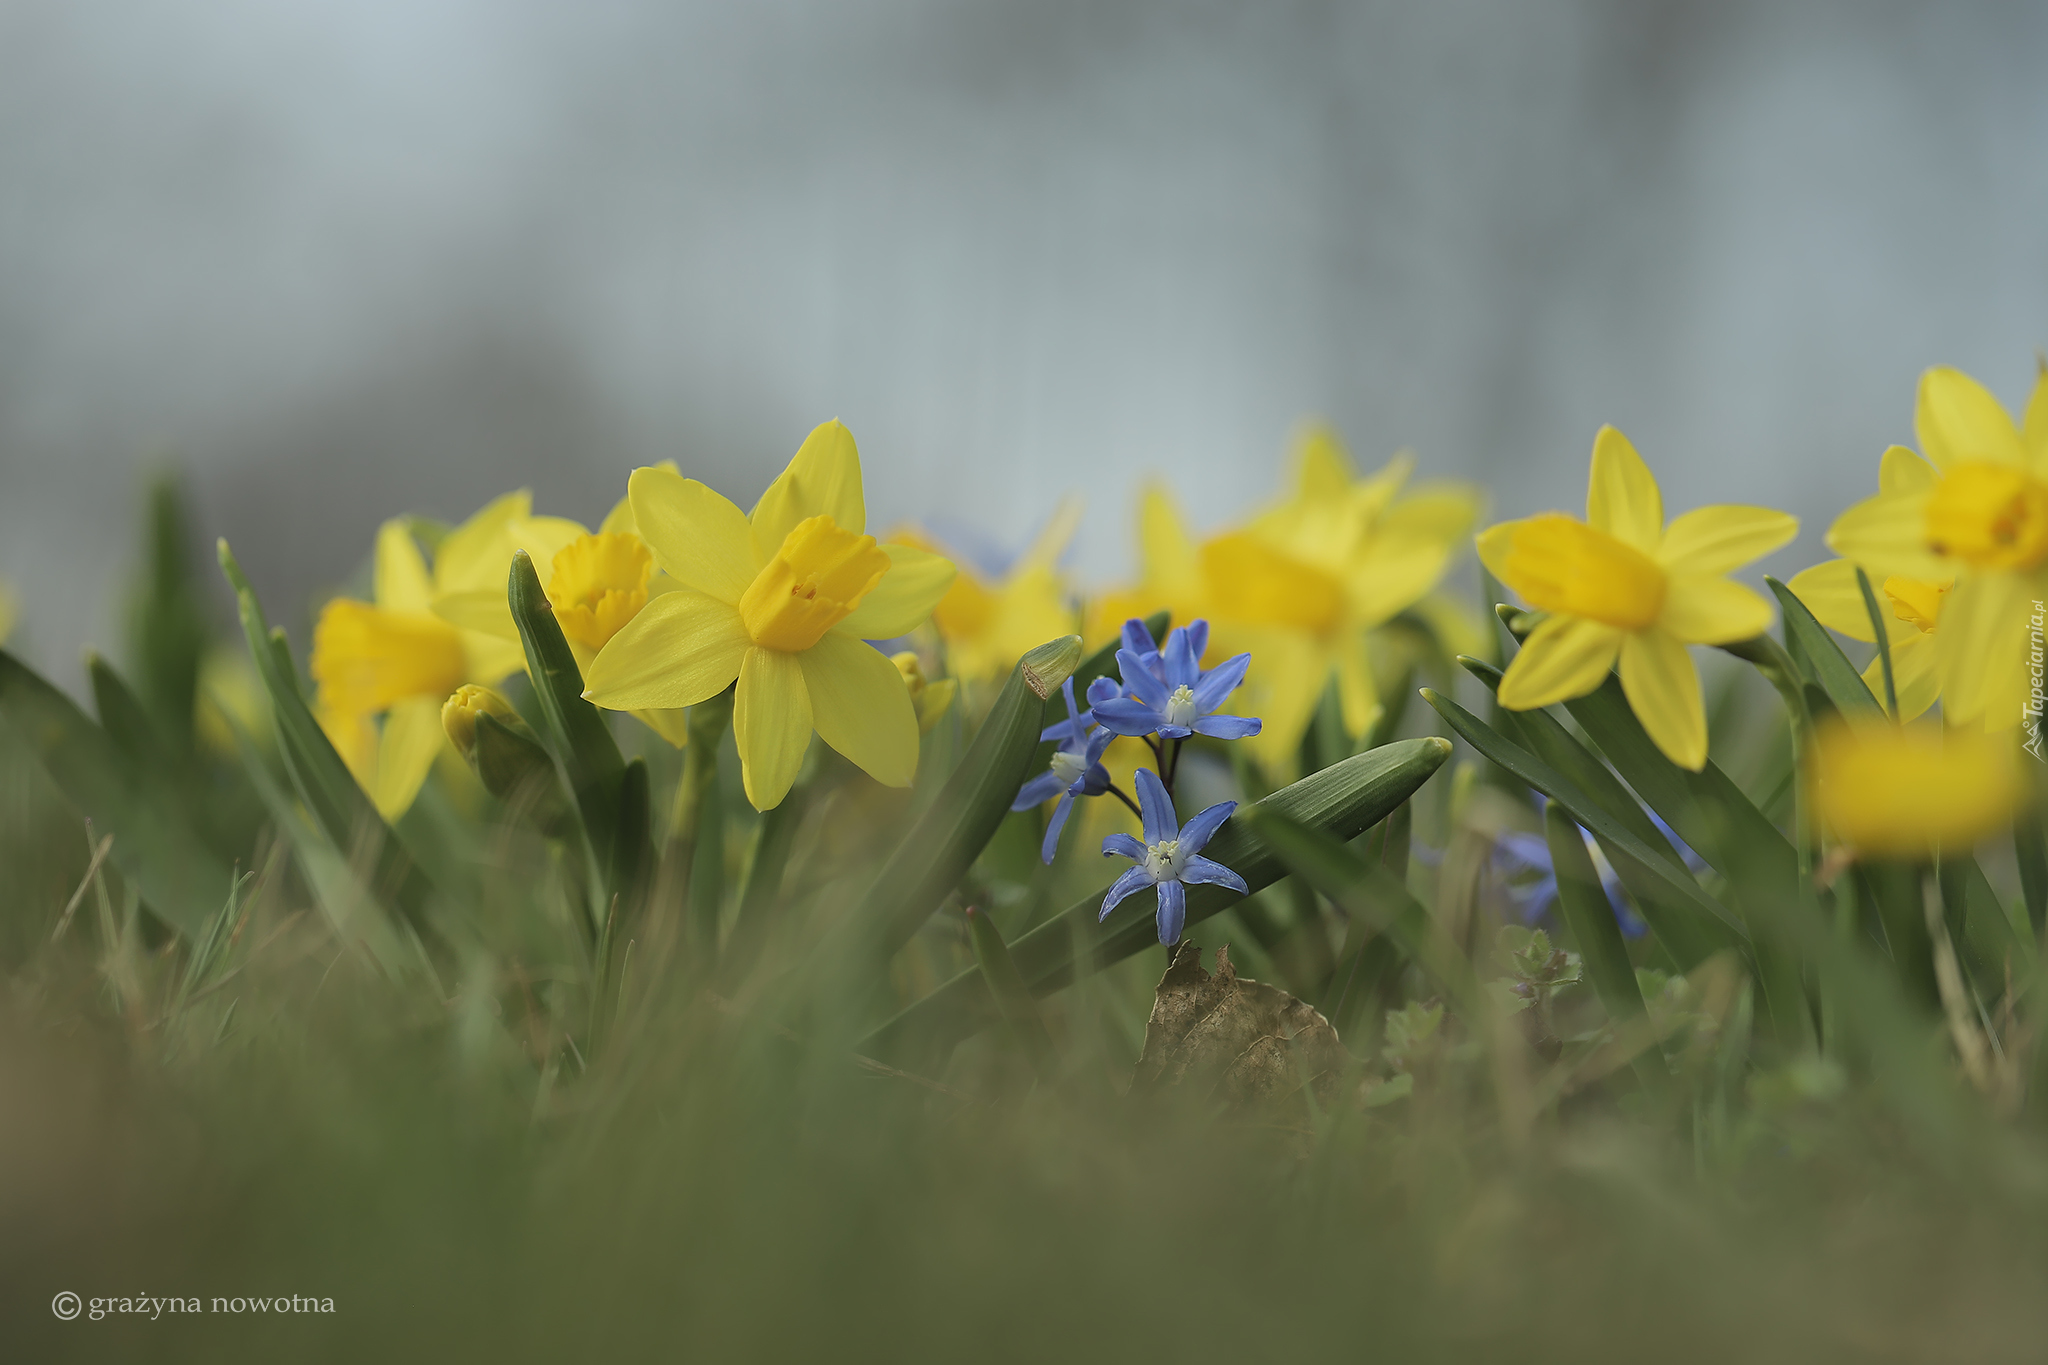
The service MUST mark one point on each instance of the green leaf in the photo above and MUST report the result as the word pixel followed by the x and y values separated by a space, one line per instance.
pixel 1584 906
pixel 2030 848
pixel 1012 997
pixel 156 849
pixel 167 621
pixel 1341 801
pixel 1884 641
pixel 576 730
pixel 1822 657
pixel 952 832
pixel 1534 772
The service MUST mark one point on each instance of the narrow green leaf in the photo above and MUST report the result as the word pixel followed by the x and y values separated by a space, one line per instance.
pixel 1830 667
pixel 772 842
pixel 1012 997
pixel 1531 770
pixel 155 847
pixel 167 621
pixel 951 834
pixel 574 728
pixel 1585 908
pixel 1884 642
pixel 2030 845
pixel 1342 802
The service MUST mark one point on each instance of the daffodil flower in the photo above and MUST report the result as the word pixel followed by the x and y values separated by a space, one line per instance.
pixel 1976 518
pixel 1076 767
pixel 782 601
pixel 1909 791
pixel 395 658
pixel 929 699
pixel 1623 585
pixel 1169 857
pixel 1911 608
pixel 596 582
pixel 1174 696
pixel 987 625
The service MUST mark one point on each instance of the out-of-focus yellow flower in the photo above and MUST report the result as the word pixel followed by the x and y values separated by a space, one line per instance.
pixel 987 626
pixel 929 699
pixel 595 581
pixel 1978 520
pixel 783 600
pixel 1169 573
pixel 397 659
pixel 1621 584
pixel 1910 607
pixel 1907 791
pixel 1304 582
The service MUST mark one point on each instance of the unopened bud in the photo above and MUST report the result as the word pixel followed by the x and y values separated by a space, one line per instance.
pixel 929 699
pixel 459 713
pixel 1051 664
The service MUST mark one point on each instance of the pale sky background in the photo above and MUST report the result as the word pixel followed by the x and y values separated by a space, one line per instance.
pixel 343 261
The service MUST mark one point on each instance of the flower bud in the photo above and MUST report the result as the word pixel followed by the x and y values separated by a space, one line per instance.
pixel 929 699
pixel 459 713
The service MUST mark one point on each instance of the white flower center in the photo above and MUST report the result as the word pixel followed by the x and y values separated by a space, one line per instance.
pixel 1163 862
pixel 1068 767
pixel 1180 708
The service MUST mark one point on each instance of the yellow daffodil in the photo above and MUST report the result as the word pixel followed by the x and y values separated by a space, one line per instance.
pixel 781 600
pixel 595 581
pixel 1977 520
pixel 929 699
pixel 1169 572
pixel 1623 585
pixel 987 626
pixel 1907 791
pixel 395 658
pixel 1304 582
pixel 1911 608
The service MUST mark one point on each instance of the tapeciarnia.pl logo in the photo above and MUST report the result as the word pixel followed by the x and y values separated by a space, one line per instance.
pixel 2030 712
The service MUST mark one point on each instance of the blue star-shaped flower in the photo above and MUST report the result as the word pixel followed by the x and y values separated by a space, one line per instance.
pixel 1170 856
pixel 1076 768
pixel 1172 695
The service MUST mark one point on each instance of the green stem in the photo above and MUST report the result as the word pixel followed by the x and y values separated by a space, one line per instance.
pixel 1884 642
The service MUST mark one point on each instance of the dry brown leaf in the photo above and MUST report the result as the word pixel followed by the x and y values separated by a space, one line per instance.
pixel 1241 1041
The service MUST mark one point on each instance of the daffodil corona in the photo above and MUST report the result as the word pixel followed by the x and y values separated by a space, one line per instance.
pixel 1622 586
pixel 781 602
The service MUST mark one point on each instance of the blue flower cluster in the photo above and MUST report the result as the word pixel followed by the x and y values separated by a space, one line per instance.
pixel 1164 696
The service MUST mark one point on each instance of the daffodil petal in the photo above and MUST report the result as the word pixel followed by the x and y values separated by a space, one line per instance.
pixel 1663 689
pixel 1706 609
pixel 1915 674
pixel 1958 419
pixel 412 740
pixel 1887 535
pixel 671 723
pixel 478 553
pixel 682 648
pixel 1831 593
pixel 697 536
pixel 1717 539
pixel 400 571
pixel 478 609
pixel 1622 497
pixel 1166 549
pixel 861 707
pixel 1292 670
pixel 1982 648
pixel 1493 544
pixel 1441 512
pixel 1391 576
pixel 491 657
pixel 1901 471
pixel 1356 692
pixel 1565 657
pixel 904 599
pixel 823 479
pixel 771 723
pixel 2034 426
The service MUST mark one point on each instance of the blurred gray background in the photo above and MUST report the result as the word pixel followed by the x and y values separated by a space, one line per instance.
pixel 341 261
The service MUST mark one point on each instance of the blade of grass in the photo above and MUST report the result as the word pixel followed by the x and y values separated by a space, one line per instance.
pixel 1884 642
pixel 1012 997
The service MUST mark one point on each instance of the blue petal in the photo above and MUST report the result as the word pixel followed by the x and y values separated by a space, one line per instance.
pixel 1181 668
pixel 1067 691
pixel 1126 717
pixel 1157 808
pixel 1220 681
pixel 1204 826
pixel 1173 911
pixel 1140 682
pixel 1174 732
pixel 1227 727
pixel 1064 731
pixel 1104 689
pixel 1198 635
pixel 1200 869
pixel 1094 782
pixel 1134 879
pixel 1097 742
pixel 1038 790
pixel 1137 639
pixel 1123 845
pixel 1057 823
